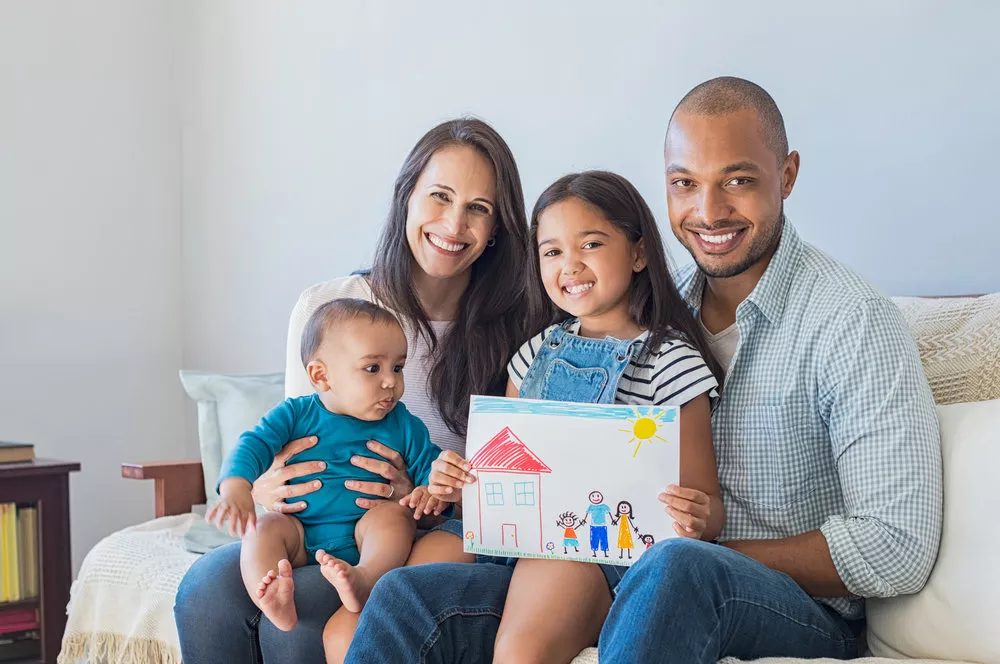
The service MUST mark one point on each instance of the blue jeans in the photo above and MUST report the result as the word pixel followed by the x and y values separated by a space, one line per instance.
pixel 691 602
pixel 217 622
pixel 684 601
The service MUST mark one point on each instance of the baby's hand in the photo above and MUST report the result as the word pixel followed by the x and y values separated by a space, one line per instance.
pixel 449 473
pixel 422 502
pixel 689 508
pixel 236 506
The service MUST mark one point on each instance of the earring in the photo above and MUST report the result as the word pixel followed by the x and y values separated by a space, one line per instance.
pixel 491 242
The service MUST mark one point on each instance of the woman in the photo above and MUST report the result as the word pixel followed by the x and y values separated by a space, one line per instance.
pixel 450 264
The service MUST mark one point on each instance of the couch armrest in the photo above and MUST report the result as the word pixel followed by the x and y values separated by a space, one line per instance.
pixel 178 484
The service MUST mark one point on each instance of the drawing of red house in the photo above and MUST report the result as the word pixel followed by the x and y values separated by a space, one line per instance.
pixel 510 493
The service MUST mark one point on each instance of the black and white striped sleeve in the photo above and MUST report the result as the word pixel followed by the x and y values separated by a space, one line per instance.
pixel 679 375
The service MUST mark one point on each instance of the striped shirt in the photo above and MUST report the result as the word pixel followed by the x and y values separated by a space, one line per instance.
pixel 826 422
pixel 417 394
pixel 674 374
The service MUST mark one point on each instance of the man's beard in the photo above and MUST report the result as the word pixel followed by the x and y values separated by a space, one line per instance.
pixel 759 248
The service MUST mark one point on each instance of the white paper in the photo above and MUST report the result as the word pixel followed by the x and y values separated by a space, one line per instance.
pixel 550 469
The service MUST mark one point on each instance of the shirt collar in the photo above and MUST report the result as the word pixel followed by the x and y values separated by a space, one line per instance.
pixel 770 293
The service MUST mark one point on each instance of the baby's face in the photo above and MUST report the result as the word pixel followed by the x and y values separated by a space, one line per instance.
pixel 364 363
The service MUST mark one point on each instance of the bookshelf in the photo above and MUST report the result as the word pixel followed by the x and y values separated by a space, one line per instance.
pixel 44 483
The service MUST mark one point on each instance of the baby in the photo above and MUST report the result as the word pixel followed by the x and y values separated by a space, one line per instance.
pixel 354 353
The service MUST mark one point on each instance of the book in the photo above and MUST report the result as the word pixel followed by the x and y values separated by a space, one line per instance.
pixel 27 531
pixel 16 452
pixel 9 563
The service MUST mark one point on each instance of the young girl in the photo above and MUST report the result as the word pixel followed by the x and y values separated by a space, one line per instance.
pixel 621 334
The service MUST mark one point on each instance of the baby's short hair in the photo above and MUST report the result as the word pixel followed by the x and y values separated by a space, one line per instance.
pixel 336 312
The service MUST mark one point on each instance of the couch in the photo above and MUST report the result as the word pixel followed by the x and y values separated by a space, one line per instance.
pixel 121 603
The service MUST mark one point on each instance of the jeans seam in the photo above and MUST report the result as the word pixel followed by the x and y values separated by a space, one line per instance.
pixel 787 617
pixel 446 615
pixel 256 656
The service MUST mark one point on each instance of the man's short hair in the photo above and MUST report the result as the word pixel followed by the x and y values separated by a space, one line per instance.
pixel 337 312
pixel 728 94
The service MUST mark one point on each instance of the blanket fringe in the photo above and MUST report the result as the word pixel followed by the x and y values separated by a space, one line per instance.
pixel 109 648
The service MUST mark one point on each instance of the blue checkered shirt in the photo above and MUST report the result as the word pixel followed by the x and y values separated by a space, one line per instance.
pixel 826 421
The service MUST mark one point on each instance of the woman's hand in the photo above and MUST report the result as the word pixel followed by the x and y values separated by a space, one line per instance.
pixel 272 489
pixel 449 473
pixel 392 469
pixel 689 508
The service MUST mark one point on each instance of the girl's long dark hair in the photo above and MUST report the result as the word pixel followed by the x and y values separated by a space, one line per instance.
pixel 471 358
pixel 654 302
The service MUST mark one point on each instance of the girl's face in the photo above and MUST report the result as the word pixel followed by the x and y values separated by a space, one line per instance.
pixel 586 262
pixel 451 213
pixel 624 508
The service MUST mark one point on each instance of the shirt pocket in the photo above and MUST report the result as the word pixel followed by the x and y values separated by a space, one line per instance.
pixel 772 458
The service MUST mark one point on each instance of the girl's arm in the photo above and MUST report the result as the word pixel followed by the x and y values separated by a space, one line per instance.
pixel 696 504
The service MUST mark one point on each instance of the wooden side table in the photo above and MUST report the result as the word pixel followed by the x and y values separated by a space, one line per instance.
pixel 45 482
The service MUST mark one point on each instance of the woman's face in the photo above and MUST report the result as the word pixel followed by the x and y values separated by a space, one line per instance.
pixel 451 214
pixel 624 508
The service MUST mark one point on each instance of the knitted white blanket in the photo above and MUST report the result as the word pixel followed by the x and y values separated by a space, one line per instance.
pixel 121 608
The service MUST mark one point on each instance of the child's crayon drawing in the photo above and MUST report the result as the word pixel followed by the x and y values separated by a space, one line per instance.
pixel 560 480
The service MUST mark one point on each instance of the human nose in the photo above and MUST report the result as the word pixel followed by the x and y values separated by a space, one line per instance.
pixel 711 204
pixel 455 220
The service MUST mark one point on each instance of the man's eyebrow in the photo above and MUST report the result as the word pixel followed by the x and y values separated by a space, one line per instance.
pixel 747 166
pixel 673 169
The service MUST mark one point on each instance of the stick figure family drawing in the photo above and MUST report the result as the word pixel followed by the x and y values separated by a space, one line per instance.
pixel 598 513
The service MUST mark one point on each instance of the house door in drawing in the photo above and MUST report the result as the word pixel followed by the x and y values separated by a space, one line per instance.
pixel 509 533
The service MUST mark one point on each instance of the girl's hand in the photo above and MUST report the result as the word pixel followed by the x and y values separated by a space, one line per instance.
pixel 392 469
pixel 449 473
pixel 235 506
pixel 423 503
pixel 272 489
pixel 689 508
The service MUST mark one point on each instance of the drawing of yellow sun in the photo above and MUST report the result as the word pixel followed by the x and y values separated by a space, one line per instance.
pixel 644 429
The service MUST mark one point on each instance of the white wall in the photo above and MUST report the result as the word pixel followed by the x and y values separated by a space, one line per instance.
pixel 297 116
pixel 90 246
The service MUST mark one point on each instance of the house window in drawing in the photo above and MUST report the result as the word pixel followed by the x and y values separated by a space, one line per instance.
pixel 505 466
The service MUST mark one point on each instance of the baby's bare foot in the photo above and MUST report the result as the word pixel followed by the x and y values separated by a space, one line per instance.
pixel 276 594
pixel 351 583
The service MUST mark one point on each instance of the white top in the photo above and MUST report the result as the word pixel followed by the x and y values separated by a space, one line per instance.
pixel 416 396
pixel 722 345
pixel 673 375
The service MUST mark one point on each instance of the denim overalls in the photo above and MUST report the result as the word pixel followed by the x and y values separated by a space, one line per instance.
pixel 572 368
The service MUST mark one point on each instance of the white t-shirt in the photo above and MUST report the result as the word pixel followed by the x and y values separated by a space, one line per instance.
pixel 673 375
pixel 722 345
pixel 417 395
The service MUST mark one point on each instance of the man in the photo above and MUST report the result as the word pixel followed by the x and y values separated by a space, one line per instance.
pixel 598 513
pixel 826 435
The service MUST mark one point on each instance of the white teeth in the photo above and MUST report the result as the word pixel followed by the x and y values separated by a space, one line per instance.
pixel 579 288
pixel 447 246
pixel 717 239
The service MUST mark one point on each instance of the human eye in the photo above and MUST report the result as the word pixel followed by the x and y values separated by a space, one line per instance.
pixel 398 368
pixel 441 196
pixel 371 368
pixel 593 244
pixel 550 253
pixel 681 183
pixel 739 181
pixel 480 208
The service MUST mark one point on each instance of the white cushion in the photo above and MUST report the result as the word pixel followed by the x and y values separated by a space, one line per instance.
pixel 957 615
pixel 228 406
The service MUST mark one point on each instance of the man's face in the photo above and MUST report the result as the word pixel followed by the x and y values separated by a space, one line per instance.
pixel 596 497
pixel 725 190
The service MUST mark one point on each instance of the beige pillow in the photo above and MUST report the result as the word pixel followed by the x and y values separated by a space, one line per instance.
pixel 957 614
pixel 959 343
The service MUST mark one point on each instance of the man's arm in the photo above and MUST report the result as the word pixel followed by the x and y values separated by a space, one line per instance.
pixel 886 441
pixel 805 558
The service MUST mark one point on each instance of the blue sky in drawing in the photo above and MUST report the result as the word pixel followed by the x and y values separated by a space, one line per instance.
pixel 500 405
